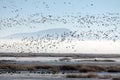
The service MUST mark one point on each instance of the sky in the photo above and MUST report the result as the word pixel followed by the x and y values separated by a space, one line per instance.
pixel 92 19
pixel 101 47
pixel 20 10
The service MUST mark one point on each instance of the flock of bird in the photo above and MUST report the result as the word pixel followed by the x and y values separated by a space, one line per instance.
pixel 86 27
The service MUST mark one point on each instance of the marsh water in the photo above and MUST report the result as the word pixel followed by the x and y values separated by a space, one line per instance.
pixel 54 58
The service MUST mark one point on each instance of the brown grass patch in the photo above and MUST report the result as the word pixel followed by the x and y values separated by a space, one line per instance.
pixel 83 76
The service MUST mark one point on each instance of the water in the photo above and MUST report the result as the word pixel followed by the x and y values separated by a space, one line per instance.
pixel 31 76
pixel 31 58
pixel 43 59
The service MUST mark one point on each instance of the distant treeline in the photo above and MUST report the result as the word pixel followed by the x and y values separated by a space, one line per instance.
pixel 80 55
